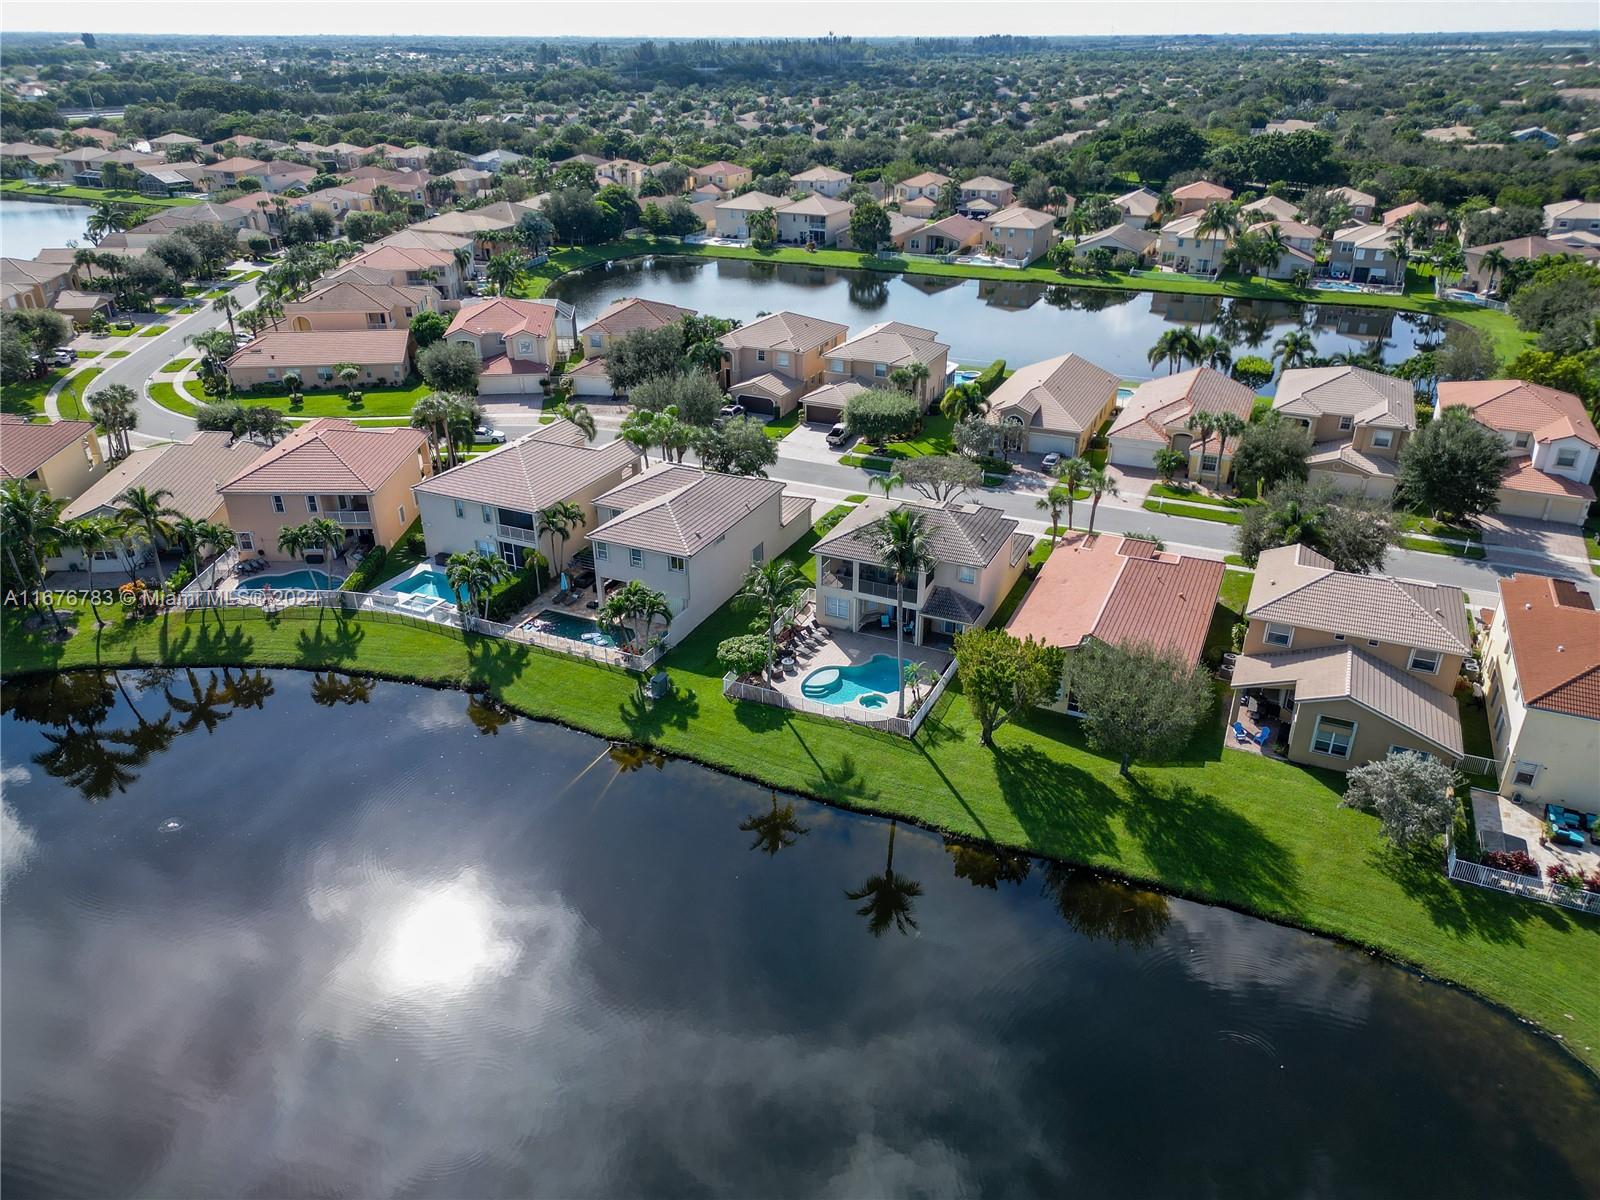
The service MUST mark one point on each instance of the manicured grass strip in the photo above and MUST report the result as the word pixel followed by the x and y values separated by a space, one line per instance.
pixel 1446 548
pixel 25 397
pixel 167 397
pixel 1415 523
pixel 70 398
pixel 152 331
pixel 117 353
pixel 1238 829
pixel 88 354
pixel 118 196
pixel 781 427
pixel 375 402
pixel 195 390
pixel 1199 512
pixel 179 364
pixel 857 498
pixel 1162 491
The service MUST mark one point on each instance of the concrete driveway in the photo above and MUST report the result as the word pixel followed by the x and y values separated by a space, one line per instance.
pixel 1511 539
pixel 808 443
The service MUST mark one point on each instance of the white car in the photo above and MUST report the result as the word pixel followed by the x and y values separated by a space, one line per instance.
pixel 1050 463
pixel 485 433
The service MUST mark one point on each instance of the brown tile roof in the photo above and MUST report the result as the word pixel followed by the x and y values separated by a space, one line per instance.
pixel 1525 248
pixel 1512 406
pixel 690 517
pixel 985 183
pixel 1064 393
pixel 1366 396
pixel 1161 406
pixel 403 258
pixel 552 463
pixel 1202 189
pixel 893 343
pixel 1120 591
pixel 1296 586
pixel 285 349
pixel 1345 673
pixel 964 534
pixel 1554 633
pixel 783 331
pixel 926 179
pixel 1346 459
pixel 816 205
pixel 1019 216
pixel 505 317
pixel 190 470
pixel 349 295
pixel 633 313
pixel 332 455
pixel 238 166
pixel 25 446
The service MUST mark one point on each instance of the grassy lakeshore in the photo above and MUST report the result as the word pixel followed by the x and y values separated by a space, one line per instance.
pixel 1215 824
pixel 68 194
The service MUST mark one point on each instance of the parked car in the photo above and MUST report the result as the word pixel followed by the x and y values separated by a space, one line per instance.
pixel 487 433
pixel 732 410
pixel 1050 463
pixel 64 356
pixel 839 434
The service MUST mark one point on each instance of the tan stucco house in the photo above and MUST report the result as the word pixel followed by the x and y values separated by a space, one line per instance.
pixel 771 363
pixel 515 340
pixel 1359 422
pixel 347 305
pixel 381 357
pixel 1157 416
pixel 871 357
pixel 1058 404
pixel 60 458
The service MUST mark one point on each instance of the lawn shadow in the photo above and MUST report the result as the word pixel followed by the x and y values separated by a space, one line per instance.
pixel 1061 807
pixel 647 719
pixel 758 717
pixel 843 781
pixel 496 661
pixel 1461 909
pixel 330 639
pixel 1200 845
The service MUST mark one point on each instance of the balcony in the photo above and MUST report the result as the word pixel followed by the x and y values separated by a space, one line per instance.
pixel 837 573
pixel 516 533
pixel 351 516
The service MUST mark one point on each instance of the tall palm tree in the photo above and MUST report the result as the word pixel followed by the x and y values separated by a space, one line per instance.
pixel 1294 349
pixel 903 546
pixel 148 509
pixel 30 523
pixel 885 482
pixel 1099 484
pixel 90 536
pixel 1204 426
pixel 888 897
pixel 1228 425
pixel 1053 502
pixel 502 271
pixel 1272 243
pixel 115 408
pixel 771 586
pixel 1170 348
pixel 1213 351
pixel 634 609
pixel 1494 263
pixel 190 532
pixel 1073 473
pixel 562 519
pixel 227 306
pixel 580 416
pixel 476 573
pixel 105 218
pixel 329 535
pixel 431 414
pixel 293 540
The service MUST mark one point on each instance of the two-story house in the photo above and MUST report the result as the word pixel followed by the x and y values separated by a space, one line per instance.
pixel 492 503
pixel 984 195
pixel 722 175
pixel 1054 406
pixel 823 181
pixel 622 317
pixel 1359 422
pixel 979 554
pixel 1361 204
pixel 1198 196
pixel 59 458
pixel 515 340
pixel 1138 207
pixel 918 195
pixel 692 535
pixel 1348 668
pixel 229 171
pixel 1270 208
pixel 1364 254
pixel 1572 216
pixel 1541 662
pixel 733 216
pixel 771 363
pixel 1021 235
pixel 817 220
pixel 1182 246
pixel 871 357
pixel 1156 417
pixel 346 304
pixel 380 357
pixel 1551 445
pixel 411 266
pixel 359 476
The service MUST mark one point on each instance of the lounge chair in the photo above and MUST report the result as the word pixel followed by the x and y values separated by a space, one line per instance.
pixel 1261 739
pixel 1240 734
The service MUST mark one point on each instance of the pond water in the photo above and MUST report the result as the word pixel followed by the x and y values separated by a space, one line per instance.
pixel 982 320
pixel 283 934
pixel 27 228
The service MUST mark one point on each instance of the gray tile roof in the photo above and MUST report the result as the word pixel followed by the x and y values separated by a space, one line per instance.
pixel 189 470
pixel 691 517
pixel 1066 393
pixel 943 604
pixel 1366 396
pixel 783 331
pixel 964 534
pixel 533 472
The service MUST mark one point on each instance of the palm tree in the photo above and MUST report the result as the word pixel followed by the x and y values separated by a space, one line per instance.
pixel 1494 262
pixel 190 532
pixel 559 520
pixel 580 416
pixel 115 409
pixel 903 546
pixel 1294 349
pixel 911 378
pixel 1168 462
pixel 148 509
pixel 105 218
pixel 432 415
pixel 1100 484
pixel 89 536
pixel 502 271
pixel 31 520
pixel 771 585
pixel 1272 243
pixel 1228 425
pixel 227 306
pixel 1073 473
pixel 476 573
pixel 963 401
pixel 885 482
pixel 888 897
pixel 1204 426
pixel 634 609
pixel 1213 351
pixel 1053 502
pixel 1172 347
pixel 215 349
pixel 293 540
pixel 777 830
pixel 329 534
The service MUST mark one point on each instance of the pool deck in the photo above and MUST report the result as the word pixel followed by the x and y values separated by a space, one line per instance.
pixel 843 649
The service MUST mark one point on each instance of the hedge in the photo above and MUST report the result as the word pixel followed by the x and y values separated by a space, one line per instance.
pixel 513 594
pixel 991 376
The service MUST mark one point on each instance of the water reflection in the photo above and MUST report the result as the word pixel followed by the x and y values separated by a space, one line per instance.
pixel 983 867
pixel 331 689
pixel 888 898
pixel 777 829
pixel 488 715
pixel 1106 909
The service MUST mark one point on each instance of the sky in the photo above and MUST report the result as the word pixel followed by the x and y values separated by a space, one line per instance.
pixel 752 18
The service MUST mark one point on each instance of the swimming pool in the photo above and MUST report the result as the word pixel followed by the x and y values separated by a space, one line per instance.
pixel 1124 394
pixel 1338 285
pixel 865 683
pixel 431 584
pixel 958 377
pixel 573 628
pixel 302 580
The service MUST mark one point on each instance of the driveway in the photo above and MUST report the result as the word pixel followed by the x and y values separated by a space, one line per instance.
pixel 808 443
pixel 1511 539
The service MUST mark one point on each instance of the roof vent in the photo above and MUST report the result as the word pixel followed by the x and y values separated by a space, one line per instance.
pixel 1560 649
pixel 1526 606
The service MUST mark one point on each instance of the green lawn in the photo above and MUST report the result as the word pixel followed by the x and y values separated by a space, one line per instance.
pixel 781 427
pixel 934 438
pixel 1192 496
pixel 1416 523
pixel 152 331
pixel 375 402
pixel 25 397
pixel 178 364
pixel 118 196
pixel 1425 546
pixel 117 353
pixel 167 396
pixel 70 401
pixel 1237 829
pixel 1197 511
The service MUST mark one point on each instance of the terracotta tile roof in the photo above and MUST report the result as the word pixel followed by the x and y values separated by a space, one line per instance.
pixel 1365 396
pixel 403 258
pixel 1344 457
pixel 1554 634
pixel 238 166
pixel 1525 248
pixel 892 342
pixel 1019 216
pixel 1522 476
pixel 783 331
pixel 834 395
pixel 1353 197
pixel 918 206
pixel 821 175
pixel 25 446
pixel 690 517
pixel 1067 393
pixel 190 470
pixel 926 179
pixel 633 313
pixel 552 463
pixel 721 166
pixel 332 455
pixel 1121 236
pixel 1345 673
pixel 1297 586
pixel 1202 189
pixel 1512 406
pixel 1159 408
pixel 771 385
pixel 505 316
pixel 985 183
pixel 1275 207
pixel 965 534
pixel 1120 591
pixel 286 349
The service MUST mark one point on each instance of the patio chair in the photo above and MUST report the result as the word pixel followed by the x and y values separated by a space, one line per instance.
pixel 1240 734
pixel 1261 739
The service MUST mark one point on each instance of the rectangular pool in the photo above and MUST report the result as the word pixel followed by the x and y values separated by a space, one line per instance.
pixel 432 585
pixel 570 626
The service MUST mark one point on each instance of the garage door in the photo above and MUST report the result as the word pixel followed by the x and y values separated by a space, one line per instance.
pixel 1129 452
pixel 591 385
pixel 756 404
pixel 507 385
pixel 824 414
pixel 1047 443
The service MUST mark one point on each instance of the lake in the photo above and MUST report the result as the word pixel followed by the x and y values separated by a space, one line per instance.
pixel 273 933
pixel 27 227
pixel 982 320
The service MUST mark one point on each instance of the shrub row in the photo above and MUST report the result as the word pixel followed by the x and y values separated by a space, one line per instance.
pixel 511 595
pixel 991 376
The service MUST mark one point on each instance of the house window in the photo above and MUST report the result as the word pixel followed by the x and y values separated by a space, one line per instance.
pixel 1338 637
pixel 635 556
pixel 1345 423
pixel 1209 462
pixel 1382 439
pixel 325 374
pixel 758 552
pixel 1333 737
pixel 1279 635
pixel 1566 458
pixel 402 511
pixel 1499 724
pixel 597 341
pixel 836 364
pixel 311 504
pixel 461 509
pixel 879 370
pixel 247 540
pixel 761 356
pixel 838 606
pixel 1426 661
pixel 969 575
pixel 277 504
pixel 602 551
pixel 1373 642
pixel 783 360
pixel 1526 773
pixel 674 563
pixel 1521 440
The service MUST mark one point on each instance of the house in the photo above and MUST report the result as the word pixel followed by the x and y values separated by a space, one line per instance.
pixel 186 471
pixel 80 307
pixel 1541 685
pixel 1119 591
pixel 926 186
pixel 380 357
pixel 30 283
pixel 1359 422
pixel 410 266
pixel 733 216
pixel 492 503
pixel 771 363
pixel 921 208
pixel 985 195
pixel 1157 416
pixel 1291 262
pixel 721 174
pixel 337 202
pixel 166 180
pixel 1198 196
pixel 494 161
pixel 872 356
pixel 1552 446
pixel 1271 208
pixel 1182 247
pixel 358 475
pixel 79 165
pixel 692 535
pixel 979 555
pixel 169 141
pixel 1291 125
pixel 344 156
pixel 1057 404
pixel 1138 207
pixel 1122 238
pixel 825 405
pixel 1365 254
pixel 228 172
pixel 279 175
pixel 625 316
pixel 823 181
pixel 1537 133
pixel 1361 204
pixel 1394 216
pixel 1363 665
pixel 1480 277
pixel 817 220
pixel 103 138
pixel 60 458
pixel 488 218
pixel 347 304
pixel 1572 216
pixel 1299 235
pixel 1022 235
pixel 954 234
pixel 468 181
pixel 26 160
pixel 515 340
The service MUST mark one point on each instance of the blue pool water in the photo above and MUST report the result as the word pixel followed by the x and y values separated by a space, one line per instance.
pixel 869 684
pixel 573 628
pixel 960 377
pixel 303 580
pixel 1337 285
pixel 1124 394
pixel 435 585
